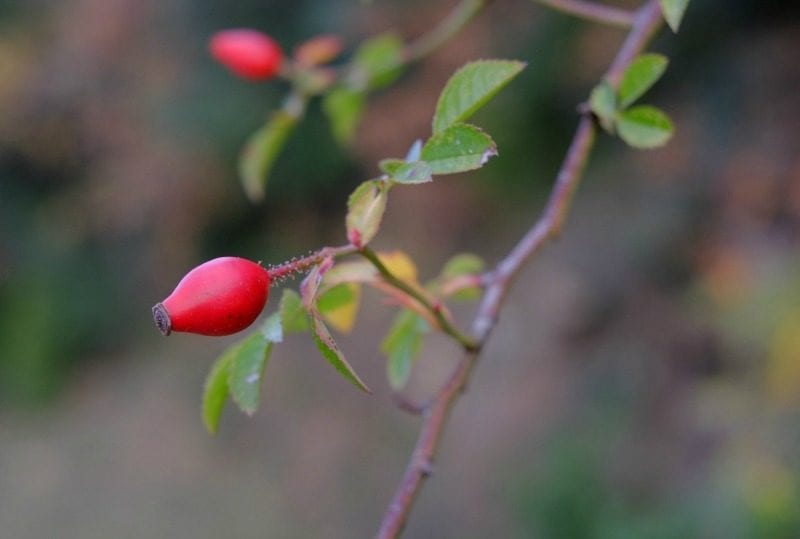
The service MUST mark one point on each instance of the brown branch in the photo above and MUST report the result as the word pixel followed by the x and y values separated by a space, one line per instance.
pixel 592 11
pixel 647 21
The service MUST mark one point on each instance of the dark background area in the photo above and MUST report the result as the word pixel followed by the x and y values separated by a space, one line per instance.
pixel 643 382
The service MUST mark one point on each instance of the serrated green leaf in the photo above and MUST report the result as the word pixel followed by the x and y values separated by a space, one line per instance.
pixel 673 12
pixel 339 305
pixel 365 209
pixel 402 345
pixel 603 102
pixel 470 88
pixel 343 107
pixel 458 148
pixel 293 314
pixel 640 76
pixel 644 127
pixel 246 371
pixel 330 351
pixel 215 391
pixel 260 151
pixel 377 62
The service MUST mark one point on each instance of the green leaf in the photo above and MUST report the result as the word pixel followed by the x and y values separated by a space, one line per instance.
pixel 391 165
pixel 402 345
pixel 603 103
pixel 410 173
pixel 365 209
pixel 640 76
pixel 336 297
pixel 330 351
pixel 458 148
pixel 408 170
pixel 459 266
pixel 462 264
pixel 470 88
pixel 343 107
pixel 215 390
pixel 293 314
pixel 377 62
pixel 272 328
pixel 246 370
pixel 673 12
pixel 261 150
pixel 339 305
pixel 644 127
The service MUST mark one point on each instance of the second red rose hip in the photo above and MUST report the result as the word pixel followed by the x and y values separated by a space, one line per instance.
pixel 248 53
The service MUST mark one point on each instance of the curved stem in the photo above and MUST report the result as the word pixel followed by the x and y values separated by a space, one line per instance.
pixel 444 31
pixel 592 11
pixel 467 342
pixel 647 21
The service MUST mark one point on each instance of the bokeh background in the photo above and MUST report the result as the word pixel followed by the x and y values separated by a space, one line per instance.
pixel 643 382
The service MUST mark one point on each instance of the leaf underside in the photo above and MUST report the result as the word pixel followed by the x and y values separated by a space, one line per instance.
pixel 330 351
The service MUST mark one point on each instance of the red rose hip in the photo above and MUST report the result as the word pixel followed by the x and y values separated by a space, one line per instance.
pixel 219 297
pixel 247 53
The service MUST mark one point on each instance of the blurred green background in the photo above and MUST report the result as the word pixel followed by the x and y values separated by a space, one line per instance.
pixel 643 382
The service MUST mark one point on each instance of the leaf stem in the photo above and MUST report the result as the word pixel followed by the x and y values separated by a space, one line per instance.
pixel 647 21
pixel 467 342
pixel 592 11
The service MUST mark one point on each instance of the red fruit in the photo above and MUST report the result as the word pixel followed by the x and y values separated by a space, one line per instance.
pixel 247 53
pixel 220 297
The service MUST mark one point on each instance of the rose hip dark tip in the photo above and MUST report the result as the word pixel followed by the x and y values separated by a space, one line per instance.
pixel 162 320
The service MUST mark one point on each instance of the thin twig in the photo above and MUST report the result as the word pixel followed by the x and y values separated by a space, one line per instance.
pixel 461 14
pixel 299 265
pixel 407 405
pixel 426 44
pixel 436 311
pixel 646 22
pixel 592 11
